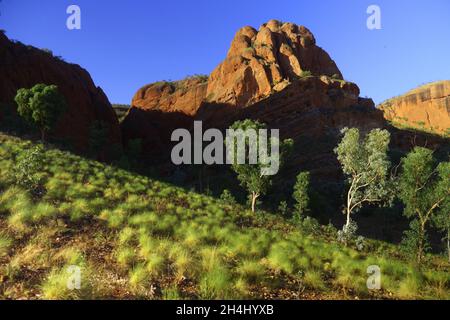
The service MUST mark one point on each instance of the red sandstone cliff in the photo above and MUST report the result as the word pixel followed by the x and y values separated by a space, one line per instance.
pixel 276 74
pixel 424 108
pixel 24 66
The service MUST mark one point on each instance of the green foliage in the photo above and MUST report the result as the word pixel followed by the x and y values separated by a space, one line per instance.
pixel 28 167
pixel 227 197
pixel 366 165
pixel 56 287
pixel 310 225
pixel 413 240
pixel 305 74
pixel 250 175
pixel 283 209
pixel 424 188
pixel 301 195
pixel 347 233
pixel 41 106
pixel 215 284
pixel 5 244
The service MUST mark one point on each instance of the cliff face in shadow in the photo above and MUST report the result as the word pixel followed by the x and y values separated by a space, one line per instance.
pixel 24 66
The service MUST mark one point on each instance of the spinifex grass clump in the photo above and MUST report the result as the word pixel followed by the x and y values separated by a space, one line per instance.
pixel 135 237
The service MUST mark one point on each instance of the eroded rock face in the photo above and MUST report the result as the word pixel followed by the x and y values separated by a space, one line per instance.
pixel 262 77
pixel 424 108
pixel 24 66
pixel 259 63
pixel 262 62
pixel 183 96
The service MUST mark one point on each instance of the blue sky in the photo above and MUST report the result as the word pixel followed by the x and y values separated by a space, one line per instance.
pixel 127 44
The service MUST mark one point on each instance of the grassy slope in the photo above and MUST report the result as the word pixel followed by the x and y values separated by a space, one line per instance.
pixel 134 237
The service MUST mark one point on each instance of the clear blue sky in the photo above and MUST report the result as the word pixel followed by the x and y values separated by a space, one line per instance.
pixel 127 44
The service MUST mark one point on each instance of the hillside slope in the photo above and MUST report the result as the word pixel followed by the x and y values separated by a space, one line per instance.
pixel 134 237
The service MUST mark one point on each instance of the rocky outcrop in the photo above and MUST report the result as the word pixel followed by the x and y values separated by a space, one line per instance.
pixel 277 75
pixel 259 64
pixel 183 96
pixel 262 62
pixel 24 66
pixel 425 108
pixel 159 108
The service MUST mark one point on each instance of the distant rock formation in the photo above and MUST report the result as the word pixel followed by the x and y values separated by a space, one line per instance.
pixel 262 62
pixel 24 66
pixel 277 75
pixel 280 63
pixel 424 108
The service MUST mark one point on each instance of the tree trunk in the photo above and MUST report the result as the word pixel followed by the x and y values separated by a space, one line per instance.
pixel 254 198
pixel 348 216
pixel 43 135
pixel 420 247
pixel 348 210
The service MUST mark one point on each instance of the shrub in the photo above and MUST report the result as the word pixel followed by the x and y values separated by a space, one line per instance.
pixel 347 233
pixel 56 287
pixel 215 284
pixel 251 270
pixel 305 74
pixel 283 209
pixel 139 277
pixel 155 265
pixel 172 293
pixel 301 195
pixel 5 244
pixel 313 280
pixel 227 197
pixel 28 165
pixel 310 226
pixel 125 256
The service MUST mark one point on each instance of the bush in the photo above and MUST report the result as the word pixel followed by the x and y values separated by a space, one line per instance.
pixel 29 164
pixel 301 195
pixel 305 74
pixel 227 197
pixel 310 225
pixel 411 240
pixel 347 233
pixel 283 209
